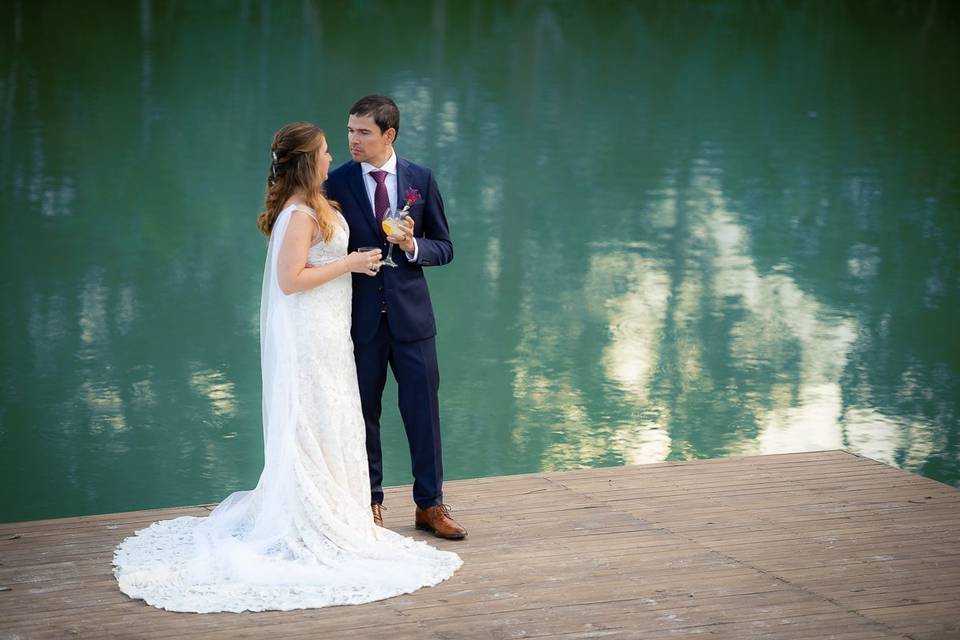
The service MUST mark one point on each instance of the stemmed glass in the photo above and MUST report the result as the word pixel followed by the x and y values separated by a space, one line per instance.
pixel 391 226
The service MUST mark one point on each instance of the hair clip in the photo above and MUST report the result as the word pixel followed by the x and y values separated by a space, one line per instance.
pixel 274 156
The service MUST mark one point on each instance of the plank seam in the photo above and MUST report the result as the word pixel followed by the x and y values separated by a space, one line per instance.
pixel 737 561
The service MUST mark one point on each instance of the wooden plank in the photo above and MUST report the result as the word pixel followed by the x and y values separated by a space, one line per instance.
pixel 793 546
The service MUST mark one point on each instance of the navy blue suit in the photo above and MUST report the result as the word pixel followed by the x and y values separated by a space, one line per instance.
pixel 393 323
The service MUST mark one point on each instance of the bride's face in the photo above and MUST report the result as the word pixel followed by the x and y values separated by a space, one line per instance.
pixel 324 159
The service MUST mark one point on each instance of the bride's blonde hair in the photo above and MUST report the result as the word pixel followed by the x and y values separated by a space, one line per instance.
pixel 294 152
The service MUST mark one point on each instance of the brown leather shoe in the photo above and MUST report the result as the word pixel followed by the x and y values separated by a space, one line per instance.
pixel 377 514
pixel 437 520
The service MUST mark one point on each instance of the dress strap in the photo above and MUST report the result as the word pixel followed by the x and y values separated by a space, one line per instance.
pixel 307 210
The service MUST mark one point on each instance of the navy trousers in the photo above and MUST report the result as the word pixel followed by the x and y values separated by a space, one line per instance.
pixel 414 366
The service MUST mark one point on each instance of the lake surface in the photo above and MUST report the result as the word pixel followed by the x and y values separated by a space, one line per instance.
pixel 682 230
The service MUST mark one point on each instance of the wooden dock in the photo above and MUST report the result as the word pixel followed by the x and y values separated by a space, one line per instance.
pixel 807 545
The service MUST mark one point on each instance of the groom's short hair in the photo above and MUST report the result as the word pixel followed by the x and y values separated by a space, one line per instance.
pixel 381 108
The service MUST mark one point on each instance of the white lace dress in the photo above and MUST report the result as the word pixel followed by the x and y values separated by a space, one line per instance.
pixel 304 537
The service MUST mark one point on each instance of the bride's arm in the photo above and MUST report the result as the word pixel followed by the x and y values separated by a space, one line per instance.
pixel 293 274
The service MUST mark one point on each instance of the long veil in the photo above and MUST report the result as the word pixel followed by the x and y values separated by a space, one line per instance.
pixel 264 514
pixel 245 535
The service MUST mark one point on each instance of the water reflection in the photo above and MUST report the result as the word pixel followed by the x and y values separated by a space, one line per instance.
pixel 93 313
pixel 635 317
pixel 764 325
pixel 104 406
pixel 905 443
pixel 682 230
pixel 216 388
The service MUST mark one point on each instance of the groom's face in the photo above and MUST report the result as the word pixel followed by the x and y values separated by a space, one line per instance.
pixel 367 142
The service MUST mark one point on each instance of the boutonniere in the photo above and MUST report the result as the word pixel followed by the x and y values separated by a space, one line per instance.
pixel 410 198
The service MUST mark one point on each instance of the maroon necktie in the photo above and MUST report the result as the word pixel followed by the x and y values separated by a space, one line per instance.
pixel 381 201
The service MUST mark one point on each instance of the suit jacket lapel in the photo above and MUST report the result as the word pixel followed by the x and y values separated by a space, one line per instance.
pixel 402 182
pixel 360 193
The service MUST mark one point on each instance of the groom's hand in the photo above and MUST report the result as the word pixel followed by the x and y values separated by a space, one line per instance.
pixel 405 240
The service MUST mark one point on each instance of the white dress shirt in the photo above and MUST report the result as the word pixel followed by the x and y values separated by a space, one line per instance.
pixel 390 166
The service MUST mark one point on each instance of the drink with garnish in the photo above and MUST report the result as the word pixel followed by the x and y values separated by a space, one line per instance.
pixel 391 226
pixel 391 222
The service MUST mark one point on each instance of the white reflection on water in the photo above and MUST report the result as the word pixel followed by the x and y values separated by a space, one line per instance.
pixel 545 384
pixel 790 349
pixel 664 215
pixel 864 261
pixel 549 379
pixel 93 308
pixel 142 393
pixel 105 405
pixel 641 444
pixel 491 264
pixel 875 435
pixel 635 317
pixel 126 309
pixel 216 388
pixel 51 193
pixel 53 196
pixel 448 131
pixel 491 193
pixel 417 100
pixel 780 317
pixel 491 199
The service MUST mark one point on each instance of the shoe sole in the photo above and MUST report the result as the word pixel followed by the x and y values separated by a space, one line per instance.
pixel 423 527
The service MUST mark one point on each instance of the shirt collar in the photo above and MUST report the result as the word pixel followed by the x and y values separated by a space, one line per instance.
pixel 390 166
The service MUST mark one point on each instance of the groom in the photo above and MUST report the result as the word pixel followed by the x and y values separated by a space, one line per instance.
pixel 392 316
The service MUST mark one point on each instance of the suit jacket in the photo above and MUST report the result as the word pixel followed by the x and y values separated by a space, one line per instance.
pixel 401 291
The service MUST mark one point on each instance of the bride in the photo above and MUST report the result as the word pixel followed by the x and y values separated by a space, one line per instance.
pixel 304 536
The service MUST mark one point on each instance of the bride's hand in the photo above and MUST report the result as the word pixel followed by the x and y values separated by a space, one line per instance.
pixel 366 262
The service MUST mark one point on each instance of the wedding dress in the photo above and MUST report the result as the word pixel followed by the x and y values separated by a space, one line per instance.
pixel 304 537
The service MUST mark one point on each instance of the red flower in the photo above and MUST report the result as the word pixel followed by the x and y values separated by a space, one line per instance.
pixel 411 196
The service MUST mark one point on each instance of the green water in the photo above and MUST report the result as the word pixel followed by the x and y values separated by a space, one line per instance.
pixel 682 230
